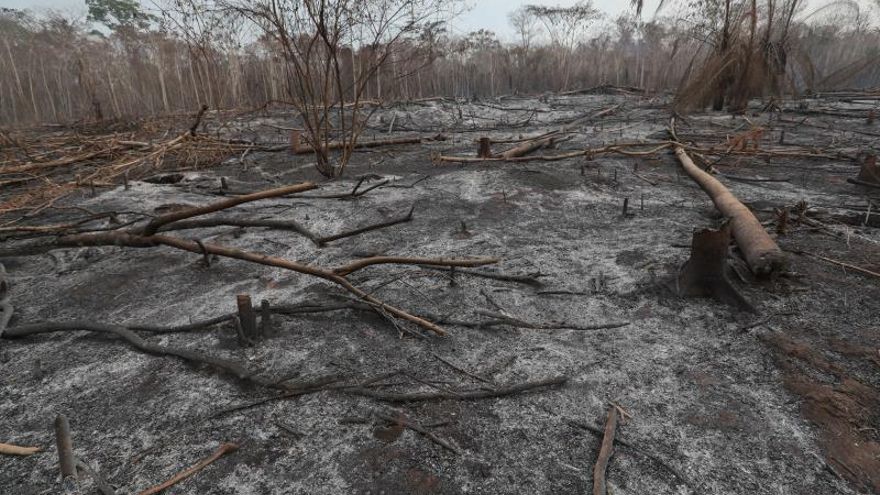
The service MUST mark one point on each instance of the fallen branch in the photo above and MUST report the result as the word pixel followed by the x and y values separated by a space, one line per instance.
pixel 504 391
pixel 335 276
pixel 155 224
pixel 356 192
pixel 198 325
pixel 301 149
pixel 529 146
pixel 463 371
pixel 291 225
pixel 503 319
pixel 760 251
pixel 863 271
pixel 448 262
pixel 520 279
pixel 621 149
pixel 146 237
pixel 579 121
pixel 305 308
pixel 318 385
pixel 131 338
pixel 605 452
pixel 202 223
pixel 224 449
pixel 401 420
pixel 9 449
pixel 368 228
pixel 600 433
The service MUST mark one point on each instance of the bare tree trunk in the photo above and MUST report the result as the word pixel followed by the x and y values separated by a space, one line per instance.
pixel 49 93
pixel 113 93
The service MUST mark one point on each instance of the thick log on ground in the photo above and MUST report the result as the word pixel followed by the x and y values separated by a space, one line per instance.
pixel 529 146
pixel 760 251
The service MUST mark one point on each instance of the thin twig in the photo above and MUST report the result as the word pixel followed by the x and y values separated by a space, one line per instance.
pixel 367 228
pixel 859 269
pixel 504 391
pixel 224 449
pixel 605 452
pixel 464 371
pixel 520 279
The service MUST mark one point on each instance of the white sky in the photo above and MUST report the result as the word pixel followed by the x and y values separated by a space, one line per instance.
pixel 484 14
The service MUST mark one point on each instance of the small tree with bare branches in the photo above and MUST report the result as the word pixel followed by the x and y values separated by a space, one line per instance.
pixel 566 27
pixel 326 82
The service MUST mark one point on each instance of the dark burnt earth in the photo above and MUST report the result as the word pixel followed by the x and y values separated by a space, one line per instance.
pixel 784 401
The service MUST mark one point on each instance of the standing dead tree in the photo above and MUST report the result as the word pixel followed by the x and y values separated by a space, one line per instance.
pixel 565 26
pixel 325 81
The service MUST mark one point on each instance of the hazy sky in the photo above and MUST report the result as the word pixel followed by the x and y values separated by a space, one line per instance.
pixel 485 14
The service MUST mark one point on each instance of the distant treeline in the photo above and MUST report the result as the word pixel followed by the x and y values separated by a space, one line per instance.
pixel 54 69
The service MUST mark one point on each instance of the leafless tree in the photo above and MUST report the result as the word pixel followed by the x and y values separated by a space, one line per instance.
pixel 566 26
pixel 325 82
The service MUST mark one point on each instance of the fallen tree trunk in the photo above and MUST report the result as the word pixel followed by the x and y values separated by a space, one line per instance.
pixel 528 147
pixel 760 251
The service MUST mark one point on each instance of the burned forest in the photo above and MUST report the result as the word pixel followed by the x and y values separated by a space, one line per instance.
pixel 359 246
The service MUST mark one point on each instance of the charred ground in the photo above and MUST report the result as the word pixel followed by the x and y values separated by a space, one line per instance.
pixel 783 401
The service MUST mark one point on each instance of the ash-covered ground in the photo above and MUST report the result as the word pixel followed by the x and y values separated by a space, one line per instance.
pixel 784 401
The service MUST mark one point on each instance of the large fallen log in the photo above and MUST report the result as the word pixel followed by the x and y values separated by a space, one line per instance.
pixel 529 146
pixel 760 251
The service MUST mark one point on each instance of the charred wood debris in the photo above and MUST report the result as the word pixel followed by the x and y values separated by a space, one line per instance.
pixel 42 168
